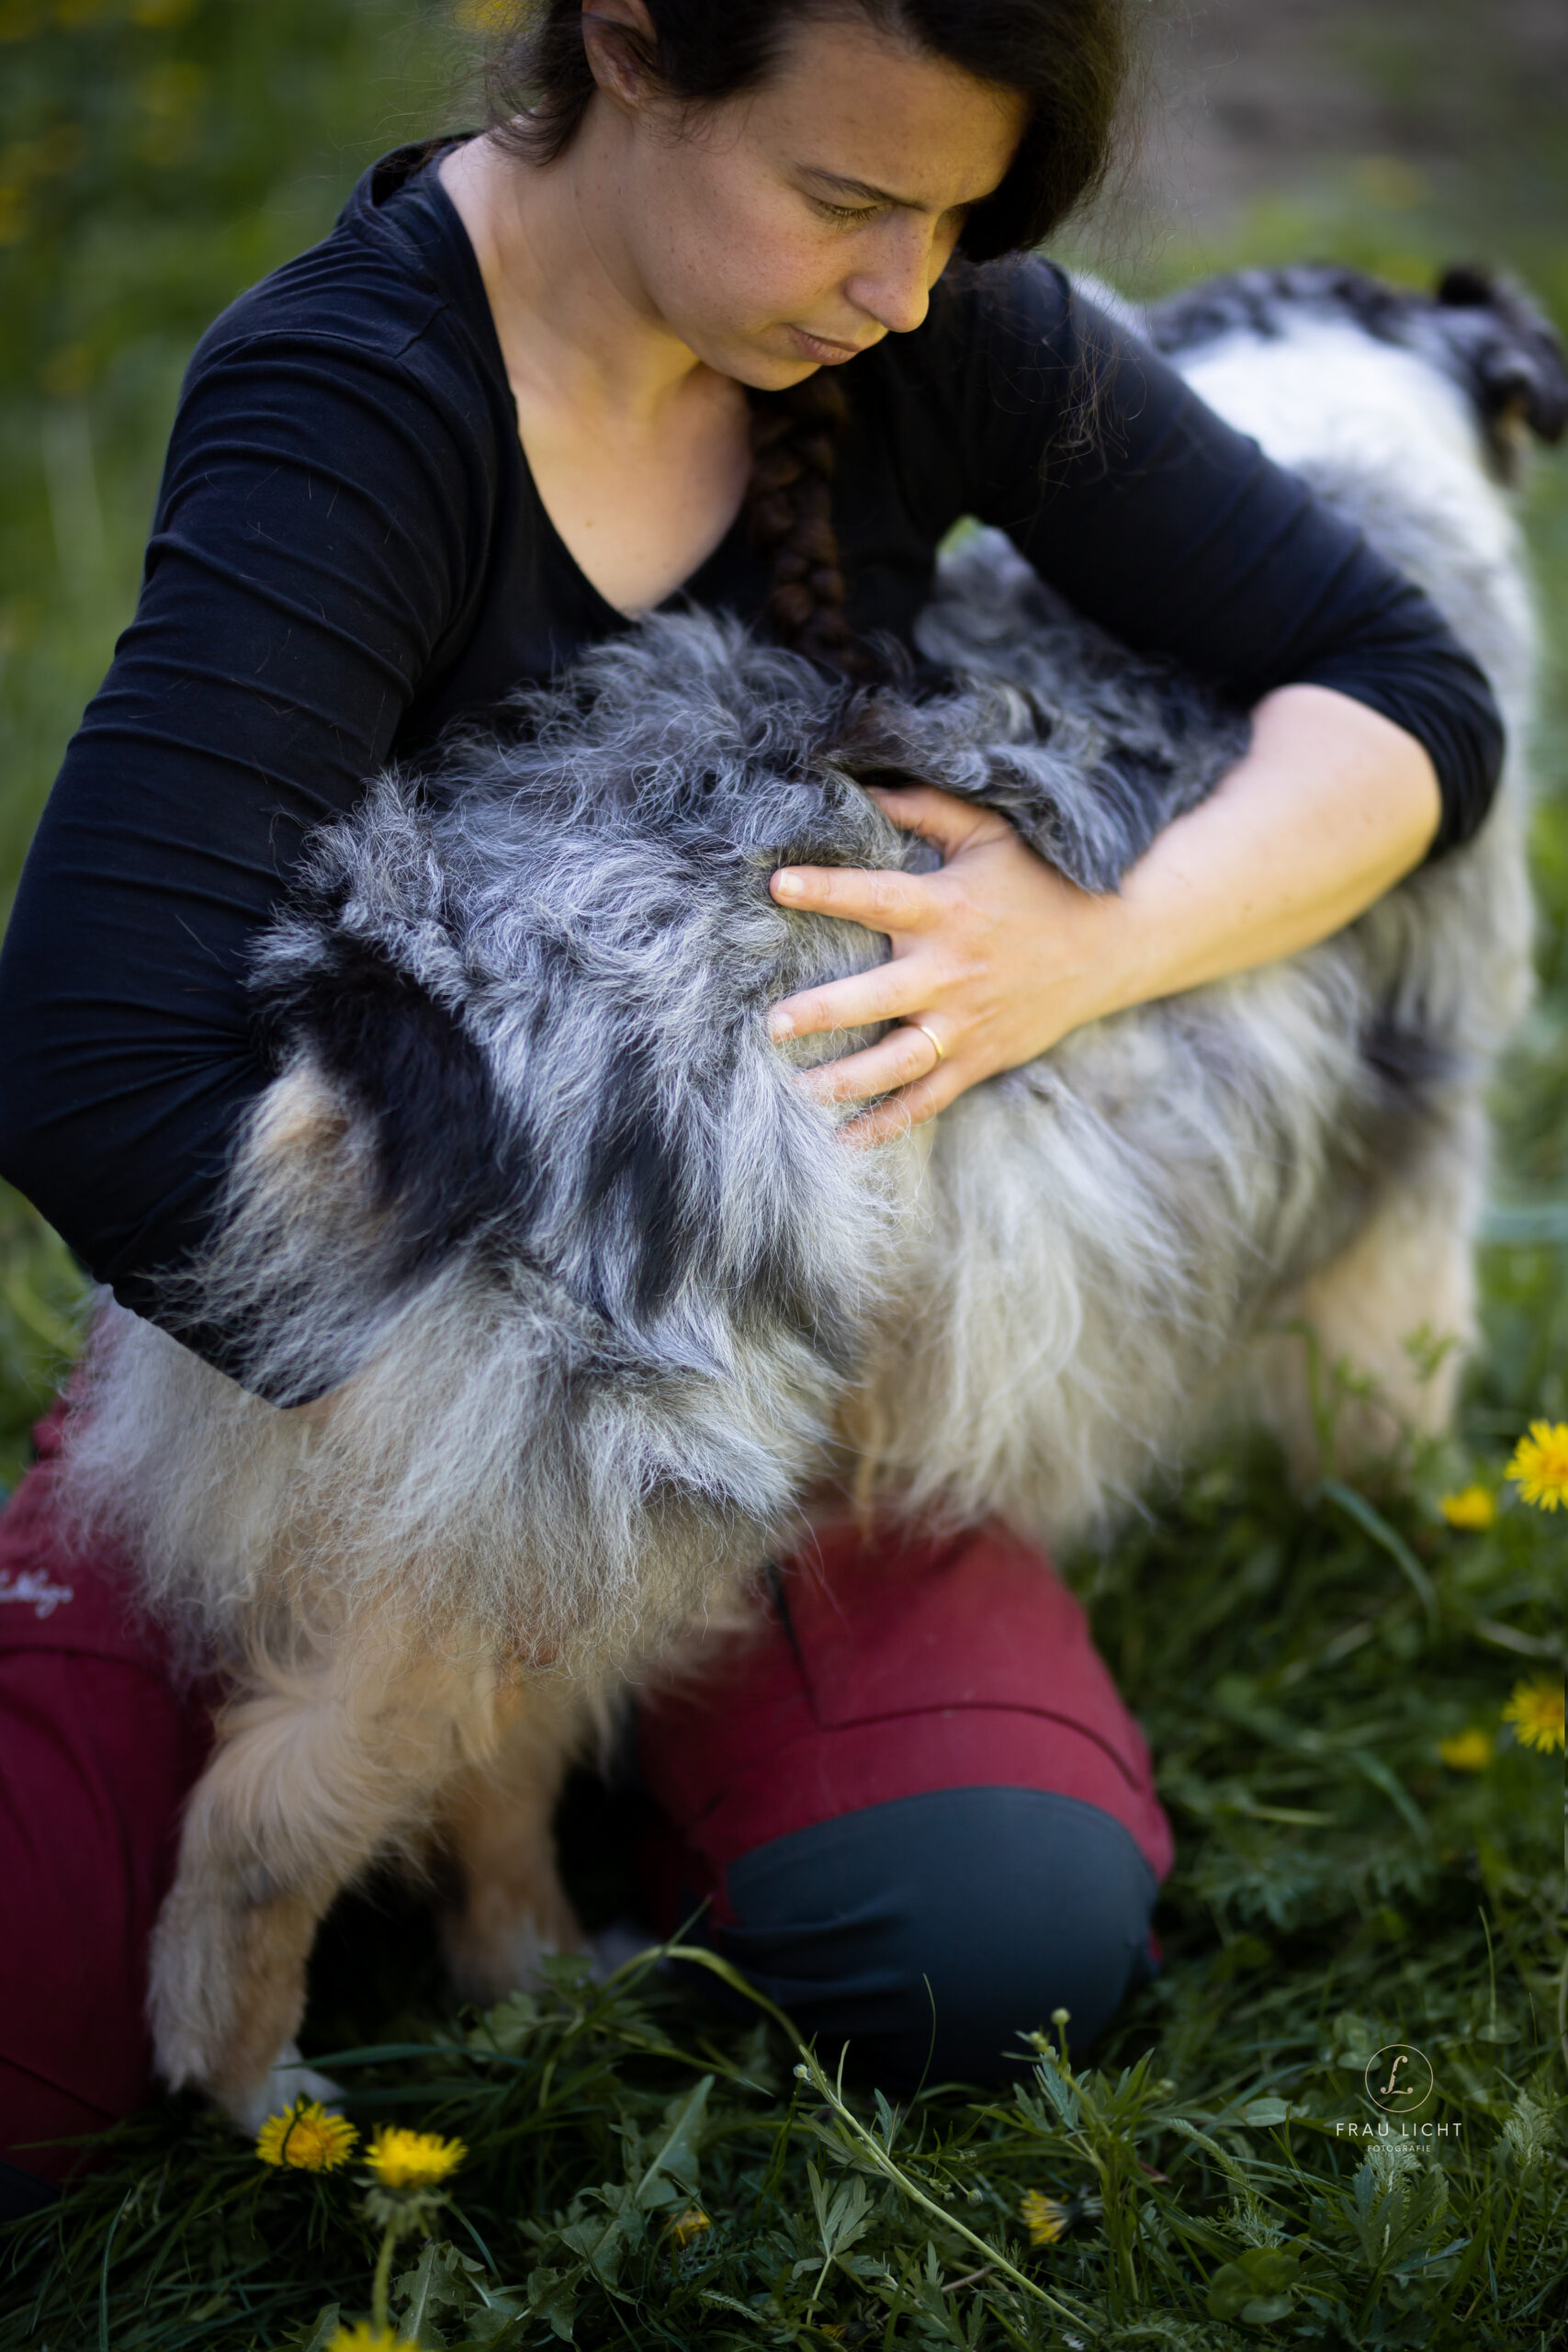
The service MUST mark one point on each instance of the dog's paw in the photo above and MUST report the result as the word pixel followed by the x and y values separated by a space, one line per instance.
pixel 286 2079
pixel 227 1993
pixel 611 1948
pixel 507 1958
pixel 497 1942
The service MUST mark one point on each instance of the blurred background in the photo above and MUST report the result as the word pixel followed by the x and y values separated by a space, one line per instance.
pixel 158 155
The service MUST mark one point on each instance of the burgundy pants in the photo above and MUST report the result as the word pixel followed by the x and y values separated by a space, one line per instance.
pixel 96 1752
pixel 914 1810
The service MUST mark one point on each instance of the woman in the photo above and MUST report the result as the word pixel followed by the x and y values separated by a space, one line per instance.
pixel 729 305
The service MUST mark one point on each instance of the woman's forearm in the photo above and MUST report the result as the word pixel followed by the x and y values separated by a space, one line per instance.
pixel 996 957
pixel 1332 804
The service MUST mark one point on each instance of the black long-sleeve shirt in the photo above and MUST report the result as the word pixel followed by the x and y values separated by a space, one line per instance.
pixel 348 553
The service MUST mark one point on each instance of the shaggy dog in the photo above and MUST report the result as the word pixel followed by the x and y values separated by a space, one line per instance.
pixel 604 1304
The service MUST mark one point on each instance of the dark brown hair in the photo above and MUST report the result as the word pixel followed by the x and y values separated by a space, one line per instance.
pixel 1066 58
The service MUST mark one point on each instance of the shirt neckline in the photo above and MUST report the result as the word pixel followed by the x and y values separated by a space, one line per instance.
pixel 420 178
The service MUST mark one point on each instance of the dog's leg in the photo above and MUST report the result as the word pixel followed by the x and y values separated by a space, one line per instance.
pixel 1409 1276
pixel 319 1766
pixel 513 1910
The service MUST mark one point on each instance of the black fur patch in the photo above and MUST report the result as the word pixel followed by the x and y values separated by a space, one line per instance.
pixel 1484 330
pixel 1409 1064
pixel 416 1073
pixel 634 1182
pixel 1266 302
pixel 1514 358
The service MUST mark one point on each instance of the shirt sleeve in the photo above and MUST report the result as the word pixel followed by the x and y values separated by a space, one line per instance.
pixel 308 551
pixel 1175 532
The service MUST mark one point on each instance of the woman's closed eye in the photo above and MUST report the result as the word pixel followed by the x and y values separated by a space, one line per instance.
pixel 850 216
pixel 847 215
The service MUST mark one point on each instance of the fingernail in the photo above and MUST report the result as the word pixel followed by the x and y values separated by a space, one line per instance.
pixel 786 886
pixel 780 1027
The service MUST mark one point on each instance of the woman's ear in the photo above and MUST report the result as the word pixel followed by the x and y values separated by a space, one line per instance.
pixel 622 46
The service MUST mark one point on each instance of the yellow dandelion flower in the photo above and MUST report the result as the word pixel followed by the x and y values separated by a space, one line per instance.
pixel 689 2225
pixel 1536 1713
pixel 402 2159
pixel 306 2136
pixel 1468 1752
pixel 1042 2217
pixel 366 2337
pixel 1471 1507
pixel 1540 1467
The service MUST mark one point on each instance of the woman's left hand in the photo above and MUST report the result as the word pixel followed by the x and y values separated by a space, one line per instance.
pixel 994 954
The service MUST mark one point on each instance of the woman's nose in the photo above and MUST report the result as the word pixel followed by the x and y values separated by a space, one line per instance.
pixel 894 290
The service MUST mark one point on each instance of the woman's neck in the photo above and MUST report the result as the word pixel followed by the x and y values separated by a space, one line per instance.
pixel 639 453
pixel 575 325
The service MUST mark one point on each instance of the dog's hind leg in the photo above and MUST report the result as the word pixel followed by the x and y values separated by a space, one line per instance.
pixel 320 1764
pixel 513 1910
pixel 1396 1311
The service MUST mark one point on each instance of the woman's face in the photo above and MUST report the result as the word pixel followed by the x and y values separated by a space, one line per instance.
pixel 786 229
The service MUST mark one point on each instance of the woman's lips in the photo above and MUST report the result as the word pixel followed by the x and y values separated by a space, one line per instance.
pixel 826 355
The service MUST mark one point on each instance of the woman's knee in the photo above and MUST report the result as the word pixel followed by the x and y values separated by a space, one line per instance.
pixel 97 1748
pixel 97 1756
pixel 931 1932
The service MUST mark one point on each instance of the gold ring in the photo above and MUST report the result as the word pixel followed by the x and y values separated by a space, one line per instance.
pixel 936 1041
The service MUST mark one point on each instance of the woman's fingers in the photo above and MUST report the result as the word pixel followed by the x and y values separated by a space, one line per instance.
pixel 967 948
pixel 950 824
pixel 910 1107
pixel 886 992
pixel 901 905
pixel 903 1056
pixel 881 900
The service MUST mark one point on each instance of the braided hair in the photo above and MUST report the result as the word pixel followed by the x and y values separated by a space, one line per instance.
pixel 1067 58
pixel 790 510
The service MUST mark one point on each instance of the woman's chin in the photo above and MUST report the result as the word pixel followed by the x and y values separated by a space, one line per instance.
pixel 767 367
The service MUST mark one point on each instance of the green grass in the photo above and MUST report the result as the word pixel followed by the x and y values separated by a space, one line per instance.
pixel 1294 1661
pixel 1337 1889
